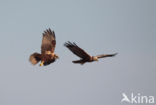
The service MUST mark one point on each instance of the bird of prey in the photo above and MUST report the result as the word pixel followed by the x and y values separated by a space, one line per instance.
pixel 47 55
pixel 85 57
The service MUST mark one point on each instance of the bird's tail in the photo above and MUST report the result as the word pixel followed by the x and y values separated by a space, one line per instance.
pixel 79 61
pixel 35 58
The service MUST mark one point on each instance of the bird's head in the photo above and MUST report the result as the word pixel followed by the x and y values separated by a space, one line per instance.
pixel 95 58
pixel 56 56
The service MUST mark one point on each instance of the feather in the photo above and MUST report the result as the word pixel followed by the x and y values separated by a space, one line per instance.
pixel 48 41
pixel 35 58
pixel 106 55
pixel 77 50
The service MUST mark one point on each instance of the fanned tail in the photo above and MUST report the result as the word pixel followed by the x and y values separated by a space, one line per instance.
pixel 35 58
pixel 79 61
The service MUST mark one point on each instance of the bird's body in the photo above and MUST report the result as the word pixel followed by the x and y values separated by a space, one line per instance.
pixel 47 59
pixel 82 61
pixel 47 55
pixel 84 56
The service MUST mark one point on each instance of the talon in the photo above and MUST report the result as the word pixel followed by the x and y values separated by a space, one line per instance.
pixel 42 63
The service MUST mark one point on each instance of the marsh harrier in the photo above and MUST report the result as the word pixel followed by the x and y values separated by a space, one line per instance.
pixel 85 57
pixel 47 55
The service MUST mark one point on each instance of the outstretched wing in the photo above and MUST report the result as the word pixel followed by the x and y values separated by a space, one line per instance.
pixel 77 50
pixel 35 58
pixel 48 41
pixel 105 55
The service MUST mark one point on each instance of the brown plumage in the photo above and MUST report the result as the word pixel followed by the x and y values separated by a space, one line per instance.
pixel 85 57
pixel 47 55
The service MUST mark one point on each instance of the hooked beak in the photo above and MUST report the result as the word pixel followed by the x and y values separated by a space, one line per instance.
pixel 96 59
pixel 57 57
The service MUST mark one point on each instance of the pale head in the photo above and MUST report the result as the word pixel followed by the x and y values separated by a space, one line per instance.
pixel 95 58
pixel 56 56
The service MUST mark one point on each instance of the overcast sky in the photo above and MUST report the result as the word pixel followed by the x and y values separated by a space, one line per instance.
pixel 127 27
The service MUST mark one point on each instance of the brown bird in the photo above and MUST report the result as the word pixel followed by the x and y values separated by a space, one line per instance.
pixel 85 57
pixel 47 55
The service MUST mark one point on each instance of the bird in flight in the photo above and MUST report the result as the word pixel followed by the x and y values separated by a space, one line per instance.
pixel 47 55
pixel 85 57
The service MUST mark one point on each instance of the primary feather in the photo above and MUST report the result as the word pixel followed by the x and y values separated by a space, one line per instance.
pixel 106 55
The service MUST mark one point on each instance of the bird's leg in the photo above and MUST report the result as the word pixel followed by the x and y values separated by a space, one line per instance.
pixel 42 62
pixel 82 63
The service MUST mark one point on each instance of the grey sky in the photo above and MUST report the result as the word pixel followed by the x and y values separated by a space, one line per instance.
pixel 98 26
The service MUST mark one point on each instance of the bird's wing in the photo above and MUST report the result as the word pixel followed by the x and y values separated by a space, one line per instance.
pixel 77 50
pixel 48 41
pixel 105 55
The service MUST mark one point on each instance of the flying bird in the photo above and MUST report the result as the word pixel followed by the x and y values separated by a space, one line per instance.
pixel 47 55
pixel 85 57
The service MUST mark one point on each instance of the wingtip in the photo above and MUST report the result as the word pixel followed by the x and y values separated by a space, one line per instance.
pixel 115 54
pixel 66 43
pixel 70 44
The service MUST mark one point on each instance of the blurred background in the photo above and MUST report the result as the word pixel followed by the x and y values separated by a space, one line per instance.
pixel 127 27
